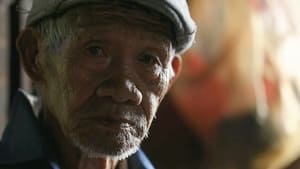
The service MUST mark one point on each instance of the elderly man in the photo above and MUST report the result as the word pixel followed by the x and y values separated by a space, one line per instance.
pixel 102 68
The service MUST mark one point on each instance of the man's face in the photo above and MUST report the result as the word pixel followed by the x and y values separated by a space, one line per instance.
pixel 108 83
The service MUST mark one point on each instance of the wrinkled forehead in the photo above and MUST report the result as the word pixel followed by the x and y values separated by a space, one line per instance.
pixel 122 13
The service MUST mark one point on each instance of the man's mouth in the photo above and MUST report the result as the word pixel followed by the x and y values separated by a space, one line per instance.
pixel 109 123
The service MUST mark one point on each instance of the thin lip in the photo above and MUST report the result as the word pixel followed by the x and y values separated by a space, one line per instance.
pixel 115 124
pixel 111 120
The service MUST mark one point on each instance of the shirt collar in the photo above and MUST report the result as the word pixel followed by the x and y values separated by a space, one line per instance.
pixel 139 161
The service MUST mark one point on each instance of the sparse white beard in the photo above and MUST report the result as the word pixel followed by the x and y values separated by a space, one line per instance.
pixel 91 152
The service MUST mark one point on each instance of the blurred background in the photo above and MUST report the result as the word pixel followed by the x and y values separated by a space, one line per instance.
pixel 3 65
pixel 236 102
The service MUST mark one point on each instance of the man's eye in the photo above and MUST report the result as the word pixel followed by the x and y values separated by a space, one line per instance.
pixel 96 51
pixel 149 59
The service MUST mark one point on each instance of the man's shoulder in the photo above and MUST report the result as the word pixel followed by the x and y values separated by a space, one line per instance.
pixel 23 142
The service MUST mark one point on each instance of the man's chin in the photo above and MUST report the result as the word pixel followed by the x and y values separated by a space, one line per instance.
pixel 116 146
pixel 97 152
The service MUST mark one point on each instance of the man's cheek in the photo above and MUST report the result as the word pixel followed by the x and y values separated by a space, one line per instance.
pixel 83 88
pixel 163 84
pixel 57 96
pixel 153 103
pixel 156 97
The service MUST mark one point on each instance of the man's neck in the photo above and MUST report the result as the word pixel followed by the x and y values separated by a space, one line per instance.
pixel 96 163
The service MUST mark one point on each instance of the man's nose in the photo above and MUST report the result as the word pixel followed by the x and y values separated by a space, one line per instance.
pixel 120 89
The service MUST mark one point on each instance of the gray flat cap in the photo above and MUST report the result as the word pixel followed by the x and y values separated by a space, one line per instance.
pixel 176 10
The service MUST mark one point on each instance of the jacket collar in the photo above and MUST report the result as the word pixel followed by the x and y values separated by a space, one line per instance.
pixel 22 134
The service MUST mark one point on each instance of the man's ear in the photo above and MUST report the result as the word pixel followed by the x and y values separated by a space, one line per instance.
pixel 27 45
pixel 176 66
